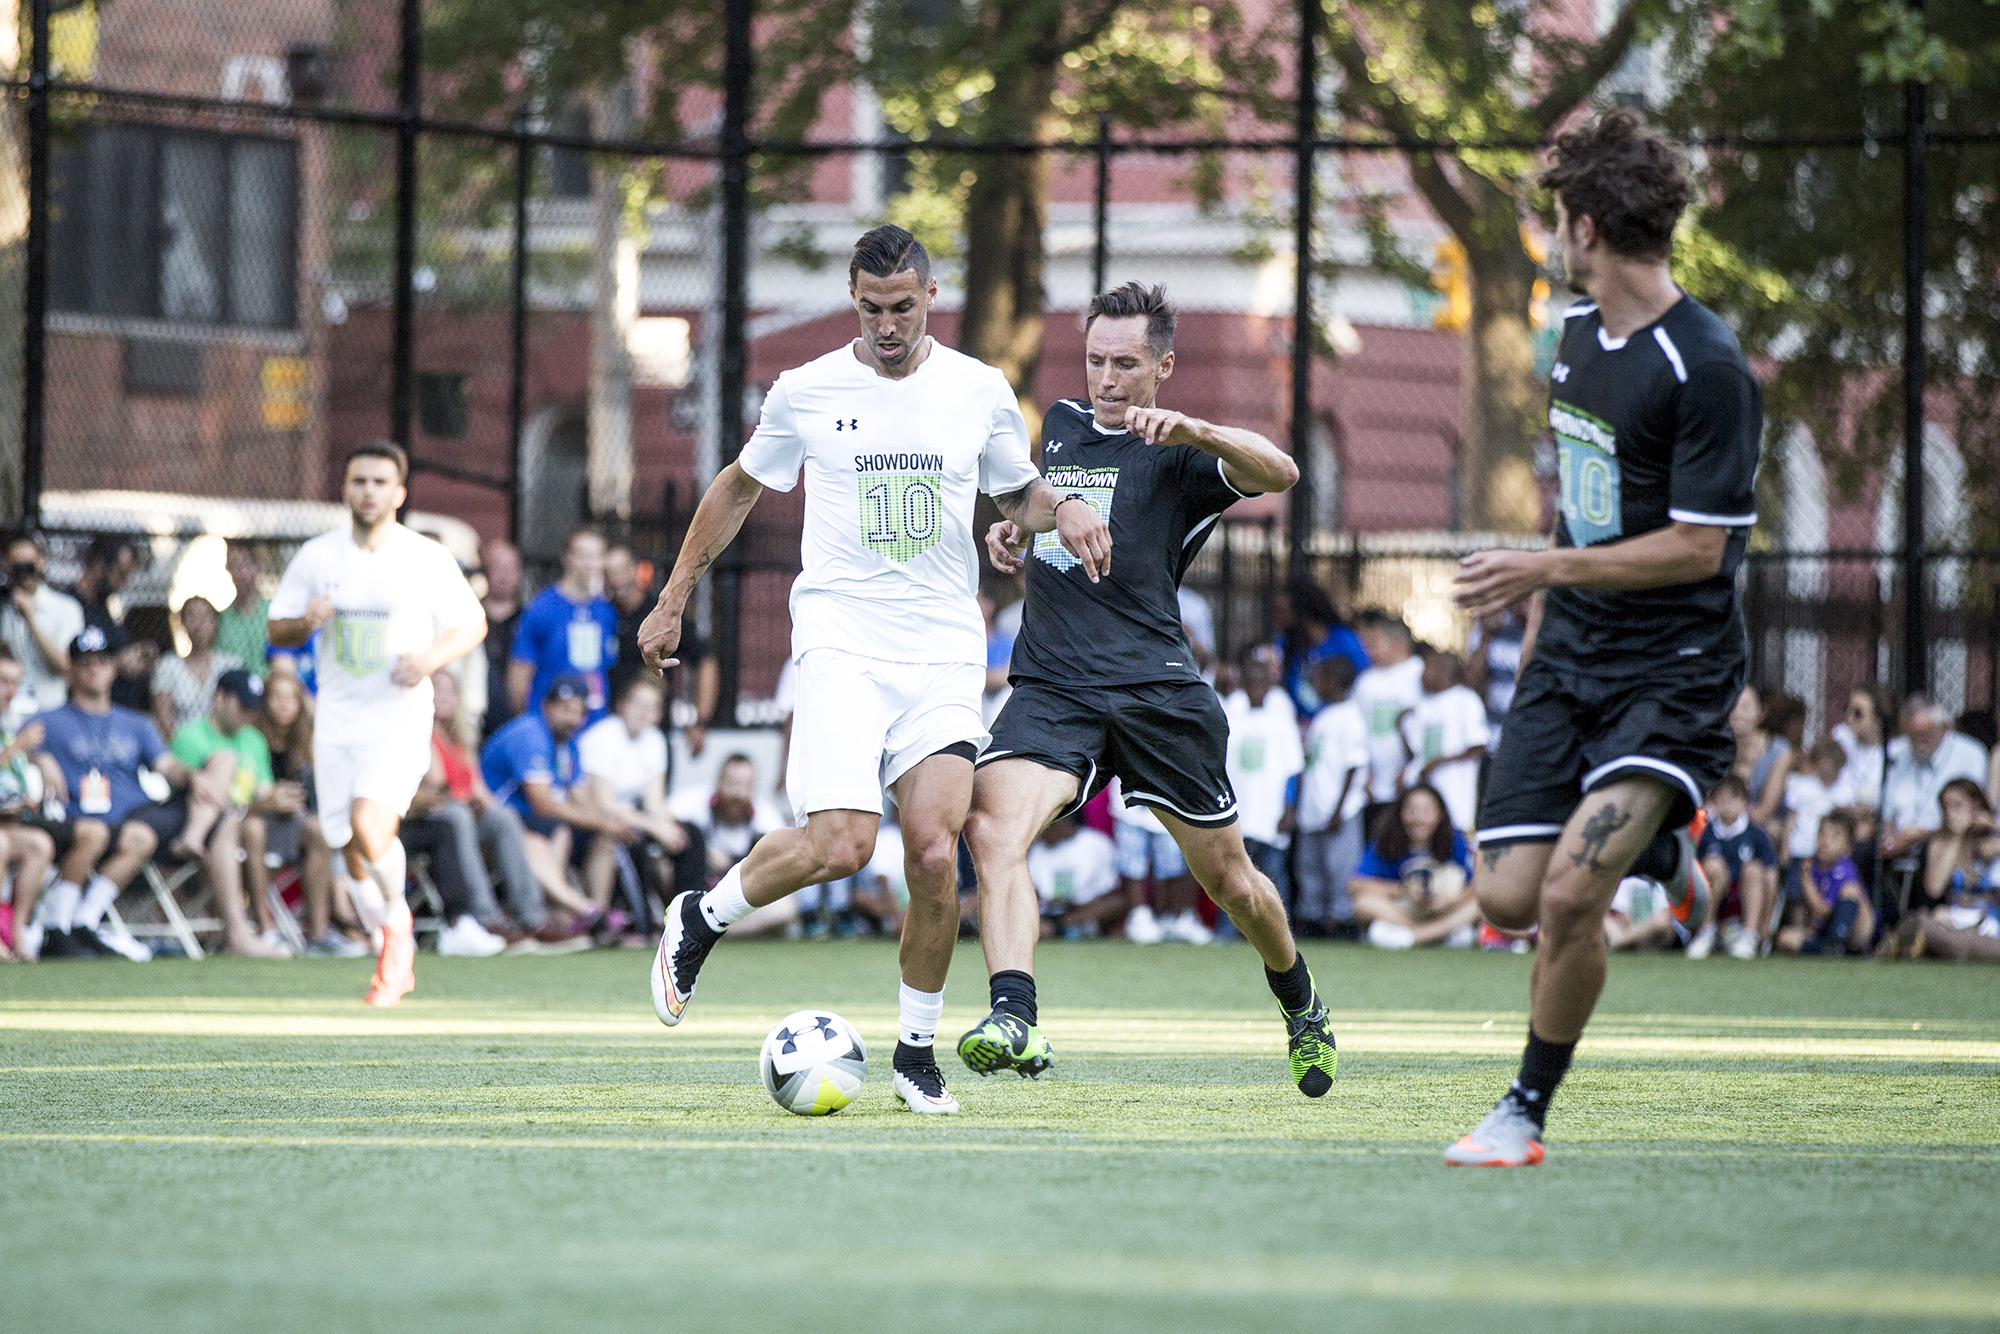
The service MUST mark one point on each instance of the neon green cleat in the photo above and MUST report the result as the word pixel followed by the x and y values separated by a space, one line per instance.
pixel 1002 1042
pixel 1314 1060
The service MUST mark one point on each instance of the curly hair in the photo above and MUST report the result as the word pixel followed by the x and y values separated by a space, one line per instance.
pixel 1626 178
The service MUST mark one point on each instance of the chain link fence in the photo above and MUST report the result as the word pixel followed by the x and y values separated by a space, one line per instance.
pixel 258 234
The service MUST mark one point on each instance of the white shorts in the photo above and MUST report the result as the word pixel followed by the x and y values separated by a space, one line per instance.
pixel 859 724
pixel 387 771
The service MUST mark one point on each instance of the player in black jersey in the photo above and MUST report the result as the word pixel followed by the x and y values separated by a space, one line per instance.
pixel 1105 682
pixel 1619 725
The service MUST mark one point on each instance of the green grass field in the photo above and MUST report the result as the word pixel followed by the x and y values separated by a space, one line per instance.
pixel 241 1146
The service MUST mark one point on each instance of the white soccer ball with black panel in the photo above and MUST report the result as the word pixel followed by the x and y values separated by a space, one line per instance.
pixel 814 1063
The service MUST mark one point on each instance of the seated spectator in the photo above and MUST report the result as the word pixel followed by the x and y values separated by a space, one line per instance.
pixel 457 805
pixel 1075 873
pixel 1263 761
pixel 1929 755
pixel 227 749
pixel 36 623
pixel 531 764
pixel 625 756
pixel 1863 735
pixel 1954 908
pixel 1639 917
pixel 91 754
pixel 1810 796
pixel 1741 864
pixel 1414 884
pixel 1445 735
pixel 287 725
pixel 1835 917
pixel 1146 851
pixel 570 629
pixel 1332 791
pixel 25 847
pixel 243 629
pixel 183 684
pixel 109 563
pixel 731 820
pixel 1763 761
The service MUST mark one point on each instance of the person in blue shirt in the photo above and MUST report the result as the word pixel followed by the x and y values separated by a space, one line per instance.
pixel 91 754
pixel 533 766
pixel 569 628
pixel 1414 883
pixel 1741 864
pixel 1309 632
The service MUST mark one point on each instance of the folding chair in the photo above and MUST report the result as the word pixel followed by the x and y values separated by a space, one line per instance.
pixel 430 920
pixel 280 878
pixel 164 883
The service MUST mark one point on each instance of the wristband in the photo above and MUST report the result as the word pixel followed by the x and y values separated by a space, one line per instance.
pixel 1066 499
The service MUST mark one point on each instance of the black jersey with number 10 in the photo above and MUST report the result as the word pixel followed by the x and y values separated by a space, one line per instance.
pixel 1659 427
pixel 1161 502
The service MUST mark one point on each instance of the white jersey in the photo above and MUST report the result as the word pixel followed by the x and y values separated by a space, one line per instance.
pixel 893 468
pixel 1450 722
pixel 386 603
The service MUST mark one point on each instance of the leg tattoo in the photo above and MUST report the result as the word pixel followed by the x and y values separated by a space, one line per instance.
pixel 1597 831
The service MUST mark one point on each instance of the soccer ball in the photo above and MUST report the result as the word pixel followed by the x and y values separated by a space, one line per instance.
pixel 813 1063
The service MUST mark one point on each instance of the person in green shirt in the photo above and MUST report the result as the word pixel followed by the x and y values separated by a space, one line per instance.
pixel 227 745
pixel 243 628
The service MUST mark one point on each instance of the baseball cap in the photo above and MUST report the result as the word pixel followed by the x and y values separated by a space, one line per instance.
pixel 245 686
pixel 98 639
pixel 570 685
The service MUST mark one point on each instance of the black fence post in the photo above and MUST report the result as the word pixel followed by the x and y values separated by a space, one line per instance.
pixel 1100 259
pixel 409 107
pixel 1302 512
pixel 726 595
pixel 34 340
pixel 517 381
pixel 1916 658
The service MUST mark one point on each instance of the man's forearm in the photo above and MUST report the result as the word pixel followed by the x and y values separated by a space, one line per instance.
pixel 1247 454
pixel 717 520
pixel 1032 508
pixel 288 631
pixel 1680 553
pixel 454 644
pixel 56 655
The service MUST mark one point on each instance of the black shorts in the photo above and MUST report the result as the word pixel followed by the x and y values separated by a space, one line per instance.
pixel 1167 742
pixel 1570 732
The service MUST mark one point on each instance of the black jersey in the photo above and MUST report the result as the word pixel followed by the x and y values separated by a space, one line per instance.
pixel 1658 427
pixel 1161 503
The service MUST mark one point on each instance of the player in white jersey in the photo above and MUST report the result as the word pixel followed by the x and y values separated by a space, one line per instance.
pixel 896 436
pixel 394 608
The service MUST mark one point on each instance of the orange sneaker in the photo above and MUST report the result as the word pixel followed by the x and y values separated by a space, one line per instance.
pixel 1688 896
pixel 396 971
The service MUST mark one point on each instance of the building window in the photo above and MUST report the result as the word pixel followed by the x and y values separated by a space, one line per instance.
pixel 180 225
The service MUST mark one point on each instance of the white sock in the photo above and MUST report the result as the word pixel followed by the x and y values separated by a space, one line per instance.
pixel 918 1015
pixel 724 906
pixel 96 901
pixel 60 903
pixel 365 894
pixel 391 871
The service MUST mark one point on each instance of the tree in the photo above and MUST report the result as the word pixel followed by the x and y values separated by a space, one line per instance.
pixel 1492 72
pixel 1826 222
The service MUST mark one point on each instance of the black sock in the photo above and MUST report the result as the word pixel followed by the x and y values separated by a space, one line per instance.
pixel 1661 859
pixel 911 1058
pixel 1543 1066
pixel 695 924
pixel 1014 993
pixel 1293 987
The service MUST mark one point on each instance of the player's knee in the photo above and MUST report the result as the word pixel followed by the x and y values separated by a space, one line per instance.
pixel 1573 899
pixel 934 863
pixel 1507 906
pixel 1240 887
pixel 843 853
pixel 989 836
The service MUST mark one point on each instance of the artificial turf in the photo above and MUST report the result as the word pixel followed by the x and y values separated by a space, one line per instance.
pixel 242 1146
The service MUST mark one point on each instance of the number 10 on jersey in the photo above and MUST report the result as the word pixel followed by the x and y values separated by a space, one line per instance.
pixel 901 513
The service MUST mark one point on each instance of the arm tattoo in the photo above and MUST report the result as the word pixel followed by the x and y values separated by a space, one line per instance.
pixel 1014 505
pixel 1492 857
pixel 1597 831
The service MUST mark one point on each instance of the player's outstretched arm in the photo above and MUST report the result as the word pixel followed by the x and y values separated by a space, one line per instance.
pixel 1680 553
pixel 1040 508
pixel 294 631
pixel 1250 462
pixel 717 520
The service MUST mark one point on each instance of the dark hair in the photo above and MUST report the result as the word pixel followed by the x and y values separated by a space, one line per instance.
pixel 735 757
pixel 380 449
pixel 1826 748
pixel 1311 601
pixel 1785 716
pixel 190 601
pixel 28 535
pixel 1392 840
pixel 1340 668
pixel 104 549
pixel 886 251
pixel 1386 623
pixel 1131 301
pixel 1729 783
pixel 581 530
pixel 7 654
pixel 1626 178
pixel 1968 789
pixel 1840 820
pixel 643 681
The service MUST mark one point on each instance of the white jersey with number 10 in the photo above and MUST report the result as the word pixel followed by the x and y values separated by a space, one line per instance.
pixel 893 469
pixel 388 602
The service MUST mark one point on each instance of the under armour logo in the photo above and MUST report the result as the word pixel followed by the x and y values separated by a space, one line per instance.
pixel 1053 447
pixel 1559 372
pixel 850 424
pixel 1221 800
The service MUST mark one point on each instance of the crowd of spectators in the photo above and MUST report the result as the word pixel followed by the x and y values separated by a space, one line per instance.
pixel 550 820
